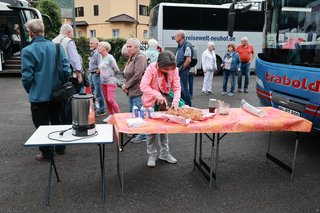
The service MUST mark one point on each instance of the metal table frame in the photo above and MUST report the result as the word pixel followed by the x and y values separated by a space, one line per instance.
pixel 211 173
pixel 90 140
pixel 53 166
pixel 120 157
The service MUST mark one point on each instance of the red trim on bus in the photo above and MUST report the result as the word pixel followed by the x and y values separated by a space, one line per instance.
pixel 312 110
pixel 264 94
pixel 312 106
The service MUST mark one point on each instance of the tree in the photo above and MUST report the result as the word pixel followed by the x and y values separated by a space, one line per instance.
pixel 52 9
pixel 155 2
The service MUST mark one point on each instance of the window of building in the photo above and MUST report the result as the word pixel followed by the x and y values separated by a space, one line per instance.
pixel 92 33
pixel 143 10
pixel 145 34
pixel 79 33
pixel 115 32
pixel 79 11
pixel 95 10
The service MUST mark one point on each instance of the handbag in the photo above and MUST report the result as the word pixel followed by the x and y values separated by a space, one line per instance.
pixel 65 90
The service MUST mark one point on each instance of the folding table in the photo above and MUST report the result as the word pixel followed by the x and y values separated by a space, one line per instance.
pixel 49 136
pixel 236 121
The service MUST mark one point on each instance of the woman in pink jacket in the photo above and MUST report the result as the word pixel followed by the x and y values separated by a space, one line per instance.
pixel 159 79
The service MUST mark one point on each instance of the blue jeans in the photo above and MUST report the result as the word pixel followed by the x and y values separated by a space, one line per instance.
pixel 244 70
pixel 184 78
pixel 98 92
pixel 226 74
pixel 190 80
pixel 135 101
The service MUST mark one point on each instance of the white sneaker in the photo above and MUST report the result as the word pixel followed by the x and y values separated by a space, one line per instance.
pixel 223 93
pixel 152 161
pixel 140 138
pixel 106 120
pixel 168 157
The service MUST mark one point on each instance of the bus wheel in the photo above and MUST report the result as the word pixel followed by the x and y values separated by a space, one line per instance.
pixel 219 62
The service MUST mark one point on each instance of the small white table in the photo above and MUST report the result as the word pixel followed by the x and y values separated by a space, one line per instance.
pixel 49 136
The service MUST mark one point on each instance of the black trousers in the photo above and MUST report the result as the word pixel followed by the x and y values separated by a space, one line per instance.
pixel 45 113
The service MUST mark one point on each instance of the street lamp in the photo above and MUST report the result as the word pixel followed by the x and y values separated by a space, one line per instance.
pixel 74 19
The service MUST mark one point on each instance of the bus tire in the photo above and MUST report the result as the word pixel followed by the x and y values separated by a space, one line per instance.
pixel 219 69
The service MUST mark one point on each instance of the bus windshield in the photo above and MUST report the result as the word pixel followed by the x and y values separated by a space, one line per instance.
pixel 292 34
pixel 153 22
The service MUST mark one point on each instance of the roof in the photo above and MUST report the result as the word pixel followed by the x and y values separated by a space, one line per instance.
pixel 122 18
pixel 80 23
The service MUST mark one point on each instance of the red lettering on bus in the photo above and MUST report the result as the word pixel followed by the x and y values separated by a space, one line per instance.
pixel 295 83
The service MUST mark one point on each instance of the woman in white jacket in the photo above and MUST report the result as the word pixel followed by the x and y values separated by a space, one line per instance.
pixel 209 65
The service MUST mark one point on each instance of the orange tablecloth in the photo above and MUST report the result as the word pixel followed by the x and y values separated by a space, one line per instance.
pixel 238 120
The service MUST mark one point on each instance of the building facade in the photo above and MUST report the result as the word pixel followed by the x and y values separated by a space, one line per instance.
pixel 112 18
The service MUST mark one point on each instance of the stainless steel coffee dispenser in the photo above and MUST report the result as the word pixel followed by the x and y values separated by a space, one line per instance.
pixel 83 118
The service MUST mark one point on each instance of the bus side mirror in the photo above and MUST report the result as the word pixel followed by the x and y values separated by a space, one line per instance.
pixel 231 20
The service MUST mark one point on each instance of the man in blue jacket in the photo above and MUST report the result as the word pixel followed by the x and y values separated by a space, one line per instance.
pixel 183 57
pixel 39 79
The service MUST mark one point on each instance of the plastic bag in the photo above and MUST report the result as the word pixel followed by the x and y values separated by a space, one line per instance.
pixel 251 109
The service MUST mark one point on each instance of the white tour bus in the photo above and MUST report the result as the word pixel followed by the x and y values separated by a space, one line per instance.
pixel 204 23
pixel 14 14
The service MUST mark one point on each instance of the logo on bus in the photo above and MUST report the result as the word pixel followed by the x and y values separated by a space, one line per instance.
pixel 295 83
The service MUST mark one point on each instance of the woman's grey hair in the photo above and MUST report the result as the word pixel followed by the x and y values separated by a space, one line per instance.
pixel 153 43
pixel 35 26
pixel 105 45
pixel 135 41
pixel 182 33
pixel 65 28
pixel 210 44
pixel 166 59
pixel 124 50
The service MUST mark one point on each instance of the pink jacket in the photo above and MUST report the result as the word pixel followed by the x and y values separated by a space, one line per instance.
pixel 151 89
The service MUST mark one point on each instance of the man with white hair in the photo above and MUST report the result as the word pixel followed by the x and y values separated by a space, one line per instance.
pixel 69 46
pixel 152 52
pixel 183 57
pixel 246 53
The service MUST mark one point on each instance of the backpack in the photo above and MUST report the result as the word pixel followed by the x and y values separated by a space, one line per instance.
pixel 194 59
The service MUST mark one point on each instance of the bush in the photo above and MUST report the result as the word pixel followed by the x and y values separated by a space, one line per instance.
pixel 52 9
pixel 116 46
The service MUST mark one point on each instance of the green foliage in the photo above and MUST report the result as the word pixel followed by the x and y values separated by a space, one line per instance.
pixel 52 9
pixel 155 2
pixel 83 48
pixel 64 3
pixel 116 46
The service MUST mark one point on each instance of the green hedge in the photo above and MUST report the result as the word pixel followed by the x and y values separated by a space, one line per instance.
pixel 116 46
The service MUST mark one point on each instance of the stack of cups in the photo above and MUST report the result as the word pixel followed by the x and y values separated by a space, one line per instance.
pixel 223 108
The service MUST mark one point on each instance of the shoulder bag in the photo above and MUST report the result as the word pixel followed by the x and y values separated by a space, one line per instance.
pixel 65 90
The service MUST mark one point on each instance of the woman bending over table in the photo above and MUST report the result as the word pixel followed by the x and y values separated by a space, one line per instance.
pixel 159 79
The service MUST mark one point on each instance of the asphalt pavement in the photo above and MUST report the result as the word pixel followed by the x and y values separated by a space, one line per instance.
pixel 247 181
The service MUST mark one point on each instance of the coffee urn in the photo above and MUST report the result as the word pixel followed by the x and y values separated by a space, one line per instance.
pixel 83 118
